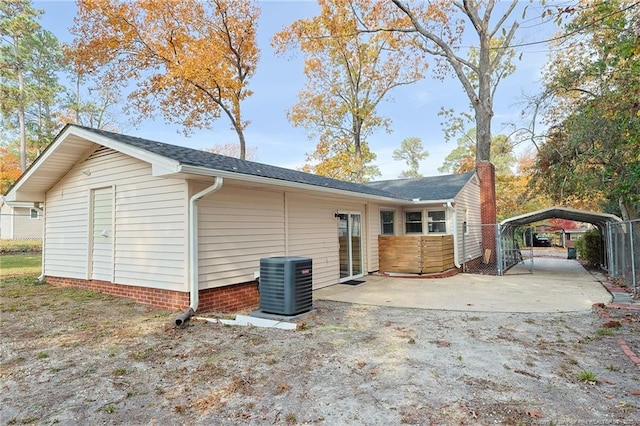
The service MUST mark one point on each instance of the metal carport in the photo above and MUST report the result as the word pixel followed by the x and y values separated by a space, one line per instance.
pixel 600 220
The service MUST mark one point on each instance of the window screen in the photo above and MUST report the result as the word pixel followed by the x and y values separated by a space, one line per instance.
pixel 413 222
pixel 387 220
pixel 437 221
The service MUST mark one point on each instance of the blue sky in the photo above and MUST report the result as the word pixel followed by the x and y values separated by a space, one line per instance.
pixel 412 109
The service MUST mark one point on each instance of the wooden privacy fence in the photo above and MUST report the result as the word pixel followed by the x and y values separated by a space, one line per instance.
pixel 415 254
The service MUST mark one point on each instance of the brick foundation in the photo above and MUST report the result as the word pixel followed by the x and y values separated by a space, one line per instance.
pixel 226 299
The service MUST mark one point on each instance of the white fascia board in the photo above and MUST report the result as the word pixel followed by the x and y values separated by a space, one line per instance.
pixel 24 204
pixel 278 182
pixel 160 165
pixel 429 202
pixel 11 195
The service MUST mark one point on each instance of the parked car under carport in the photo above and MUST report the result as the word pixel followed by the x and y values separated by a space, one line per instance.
pixel 541 241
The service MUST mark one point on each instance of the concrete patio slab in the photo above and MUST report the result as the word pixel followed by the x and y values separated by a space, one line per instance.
pixel 555 285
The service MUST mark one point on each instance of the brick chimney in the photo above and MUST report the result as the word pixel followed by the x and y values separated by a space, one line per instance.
pixel 487 175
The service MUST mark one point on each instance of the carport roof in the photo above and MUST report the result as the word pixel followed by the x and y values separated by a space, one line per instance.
pixel 599 219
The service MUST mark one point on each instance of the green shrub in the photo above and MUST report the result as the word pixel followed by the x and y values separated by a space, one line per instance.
pixel 589 247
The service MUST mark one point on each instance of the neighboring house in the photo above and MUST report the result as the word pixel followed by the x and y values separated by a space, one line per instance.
pixel 174 226
pixel 20 220
pixel 570 236
pixel 564 237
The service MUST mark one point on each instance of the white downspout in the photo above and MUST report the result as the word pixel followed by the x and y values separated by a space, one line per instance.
pixel 44 235
pixel 193 249
pixel 456 261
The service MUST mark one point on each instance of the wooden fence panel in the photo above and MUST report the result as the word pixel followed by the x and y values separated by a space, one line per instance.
pixel 399 254
pixel 415 254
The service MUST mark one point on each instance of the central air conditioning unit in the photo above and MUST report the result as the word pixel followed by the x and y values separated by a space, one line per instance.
pixel 286 285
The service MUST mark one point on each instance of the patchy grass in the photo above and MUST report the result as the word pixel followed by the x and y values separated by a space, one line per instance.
pixel 72 353
pixel 20 264
pixel 604 332
pixel 20 257
pixel 587 376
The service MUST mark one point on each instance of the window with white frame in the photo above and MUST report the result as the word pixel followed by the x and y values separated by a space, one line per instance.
pixel 34 214
pixel 387 222
pixel 413 222
pixel 437 221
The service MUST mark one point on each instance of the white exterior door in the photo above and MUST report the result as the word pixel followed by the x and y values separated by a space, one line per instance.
pixel 101 259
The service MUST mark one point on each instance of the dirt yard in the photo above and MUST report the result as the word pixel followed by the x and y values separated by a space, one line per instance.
pixel 74 357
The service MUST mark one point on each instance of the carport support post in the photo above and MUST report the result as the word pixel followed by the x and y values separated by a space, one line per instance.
pixel 633 261
pixel 499 249
pixel 611 264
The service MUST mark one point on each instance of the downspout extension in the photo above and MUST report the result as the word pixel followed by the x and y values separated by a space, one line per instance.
pixel 193 250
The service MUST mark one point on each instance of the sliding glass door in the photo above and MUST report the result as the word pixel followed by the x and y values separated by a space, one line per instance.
pixel 350 241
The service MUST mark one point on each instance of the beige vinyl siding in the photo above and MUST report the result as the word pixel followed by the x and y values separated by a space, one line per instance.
pixel 102 234
pixel 470 245
pixel 373 230
pixel 313 232
pixel 66 243
pixel 238 227
pixel 149 234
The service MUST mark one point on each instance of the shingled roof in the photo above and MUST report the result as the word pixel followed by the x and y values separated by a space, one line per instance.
pixel 199 158
pixel 444 187
pixel 189 160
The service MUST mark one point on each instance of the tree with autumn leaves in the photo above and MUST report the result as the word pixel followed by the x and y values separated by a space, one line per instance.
pixel 191 60
pixel 592 148
pixel 175 52
pixel 349 73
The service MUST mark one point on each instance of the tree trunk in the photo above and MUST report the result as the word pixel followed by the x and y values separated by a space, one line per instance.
pixel 357 128
pixel 484 107
pixel 628 210
pixel 21 108
pixel 243 145
pixel 21 123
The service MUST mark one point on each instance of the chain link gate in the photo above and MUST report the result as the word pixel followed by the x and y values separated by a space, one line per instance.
pixel 623 253
pixel 516 245
pixel 493 249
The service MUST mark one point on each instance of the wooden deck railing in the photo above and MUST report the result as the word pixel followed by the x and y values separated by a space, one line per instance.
pixel 415 254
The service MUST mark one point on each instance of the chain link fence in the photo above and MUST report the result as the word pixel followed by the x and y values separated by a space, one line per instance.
pixel 624 253
pixel 503 248
pixel 480 249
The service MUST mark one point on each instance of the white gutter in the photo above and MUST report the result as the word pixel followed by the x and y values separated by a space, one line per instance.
pixel 446 202
pixel 288 184
pixel 193 249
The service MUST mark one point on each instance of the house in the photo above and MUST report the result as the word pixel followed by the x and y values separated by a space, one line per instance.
pixel 20 220
pixel 177 227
